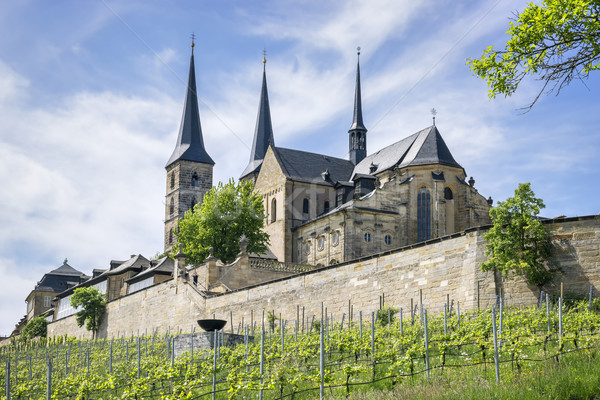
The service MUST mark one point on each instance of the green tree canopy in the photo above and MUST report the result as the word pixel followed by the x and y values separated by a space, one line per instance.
pixel 227 212
pixel 518 243
pixel 93 306
pixel 555 41
pixel 37 327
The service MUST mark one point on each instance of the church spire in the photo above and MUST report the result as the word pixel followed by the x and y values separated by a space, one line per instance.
pixel 357 132
pixel 190 145
pixel 263 132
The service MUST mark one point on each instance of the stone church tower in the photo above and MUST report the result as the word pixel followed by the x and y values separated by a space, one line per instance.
pixel 190 168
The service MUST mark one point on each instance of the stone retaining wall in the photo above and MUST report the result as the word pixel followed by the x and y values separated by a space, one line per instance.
pixel 436 269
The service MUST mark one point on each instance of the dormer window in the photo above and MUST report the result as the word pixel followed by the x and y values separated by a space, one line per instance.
pixel 326 207
pixel 325 175
pixel 373 167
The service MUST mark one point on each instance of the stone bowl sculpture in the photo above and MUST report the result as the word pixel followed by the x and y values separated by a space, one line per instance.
pixel 210 325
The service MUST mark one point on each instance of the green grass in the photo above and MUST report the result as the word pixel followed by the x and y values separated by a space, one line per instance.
pixel 577 376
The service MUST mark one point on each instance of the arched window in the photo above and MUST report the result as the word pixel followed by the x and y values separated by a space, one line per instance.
pixel 448 195
pixel 367 237
pixel 273 210
pixel 171 237
pixel 424 214
pixel 321 243
pixel 195 179
pixel 172 206
pixel 172 184
pixel 193 203
pixel 336 238
pixel 305 206
pixel 388 239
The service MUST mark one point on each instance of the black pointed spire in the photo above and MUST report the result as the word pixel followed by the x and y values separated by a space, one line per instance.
pixel 190 145
pixel 357 132
pixel 263 132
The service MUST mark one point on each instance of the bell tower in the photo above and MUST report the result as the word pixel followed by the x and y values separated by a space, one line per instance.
pixel 190 168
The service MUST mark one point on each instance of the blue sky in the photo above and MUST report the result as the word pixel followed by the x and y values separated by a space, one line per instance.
pixel 91 95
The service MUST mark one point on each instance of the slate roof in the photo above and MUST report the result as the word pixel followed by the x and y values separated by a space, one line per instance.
pixel 302 166
pixel 263 133
pixel 163 266
pixel 135 262
pixel 422 148
pixel 357 120
pixel 60 279
pixel 190 145
pixel 66 270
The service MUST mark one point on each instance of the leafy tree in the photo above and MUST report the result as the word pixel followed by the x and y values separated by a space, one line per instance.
pixel 93 304
pixel 518 243
pixel 37 327
pixel 227 212
pixel 556 41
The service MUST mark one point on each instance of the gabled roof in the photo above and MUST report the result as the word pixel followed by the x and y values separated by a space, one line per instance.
pixel 163 266
pixel 190 145
pixel 422 148
pixel 135 262
pixel 263 132
pixel 308 167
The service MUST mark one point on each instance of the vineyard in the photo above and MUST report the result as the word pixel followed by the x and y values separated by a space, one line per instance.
pixel 326 358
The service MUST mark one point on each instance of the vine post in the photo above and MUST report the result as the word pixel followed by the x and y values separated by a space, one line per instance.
pixel 426 344
pixel 262 359
pixel 495 331
pixel 373 342
pixel 7 379
pixel 321 363
pixel 49 379
pixel 139 355
pixel 548 312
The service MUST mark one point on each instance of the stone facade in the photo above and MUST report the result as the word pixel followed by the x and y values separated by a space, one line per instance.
pixel 432 270
pixel 386 218
pixel 187 184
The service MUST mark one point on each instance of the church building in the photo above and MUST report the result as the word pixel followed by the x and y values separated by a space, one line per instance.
pixel 322 210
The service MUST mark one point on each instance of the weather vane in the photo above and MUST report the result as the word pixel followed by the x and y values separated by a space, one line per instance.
pixel 264 56
pixel 433 112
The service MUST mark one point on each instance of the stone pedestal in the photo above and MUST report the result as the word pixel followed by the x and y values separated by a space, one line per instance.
pixel 204 340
